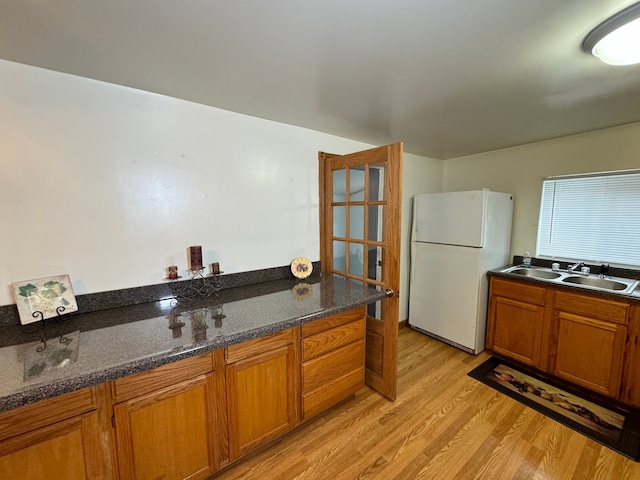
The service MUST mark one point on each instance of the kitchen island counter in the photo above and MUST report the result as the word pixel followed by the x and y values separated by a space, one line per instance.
pixel 44 361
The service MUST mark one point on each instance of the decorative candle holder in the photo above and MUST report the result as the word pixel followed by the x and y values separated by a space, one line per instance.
pixel 215 277
pixel 197 287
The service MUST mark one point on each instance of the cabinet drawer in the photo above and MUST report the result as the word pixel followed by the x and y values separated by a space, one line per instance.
pixel 322 324
pixel 331 393
pixel 600 308
pixel 236 352
pixel 518 291
pixel 36 415
pixel 328 367
pixel 337 337
pixel 164 376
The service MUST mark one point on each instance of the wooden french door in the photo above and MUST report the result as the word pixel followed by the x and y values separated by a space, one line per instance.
pixel 360 202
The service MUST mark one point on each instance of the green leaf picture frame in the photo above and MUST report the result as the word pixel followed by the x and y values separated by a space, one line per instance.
pixel 44 298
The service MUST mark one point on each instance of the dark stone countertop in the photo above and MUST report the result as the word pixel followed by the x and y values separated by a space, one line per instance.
pixel 91 348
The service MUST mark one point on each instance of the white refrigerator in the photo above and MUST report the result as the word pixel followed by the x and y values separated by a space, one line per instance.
pixel 456 238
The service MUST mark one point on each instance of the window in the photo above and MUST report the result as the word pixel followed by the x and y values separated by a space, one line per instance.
pixel 593 218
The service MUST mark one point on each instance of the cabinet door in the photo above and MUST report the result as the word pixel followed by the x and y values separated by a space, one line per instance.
pixel 515 329
pixel 631 375
pixel 263 396
pixel 589 352
pixel 168 433
pixel 68 449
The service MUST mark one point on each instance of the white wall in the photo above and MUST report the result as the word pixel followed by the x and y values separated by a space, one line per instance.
pixel 111 184
pixel 520 170
pixel 420 175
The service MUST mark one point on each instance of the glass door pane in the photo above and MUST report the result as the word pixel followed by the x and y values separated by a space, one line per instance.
pixel 356 184
pixel 356 222
pixel 339 185
pixel 356 259
pixel 375 229
pixel 374 263
pixel 340 221
pixel 374 310
pixel 376 182
pixel 340 257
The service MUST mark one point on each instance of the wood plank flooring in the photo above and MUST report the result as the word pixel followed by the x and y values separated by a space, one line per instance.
pixel 443 425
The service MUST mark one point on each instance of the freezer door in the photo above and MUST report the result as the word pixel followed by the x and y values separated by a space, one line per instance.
pixel 452 218
pixel 444 293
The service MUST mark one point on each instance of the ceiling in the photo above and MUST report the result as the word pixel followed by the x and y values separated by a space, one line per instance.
pixel 448 78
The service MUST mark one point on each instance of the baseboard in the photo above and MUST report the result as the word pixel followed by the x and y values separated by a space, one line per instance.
pixel 403 324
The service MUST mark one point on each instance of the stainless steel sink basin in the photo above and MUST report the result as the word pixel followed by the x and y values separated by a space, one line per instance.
pixel 533 272
pixel 598 282
pixel 609 284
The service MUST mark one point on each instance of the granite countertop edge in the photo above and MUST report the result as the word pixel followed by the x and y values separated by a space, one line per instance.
pixel 55 388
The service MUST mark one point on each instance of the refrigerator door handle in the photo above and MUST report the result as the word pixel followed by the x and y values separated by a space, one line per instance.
pixel 412 272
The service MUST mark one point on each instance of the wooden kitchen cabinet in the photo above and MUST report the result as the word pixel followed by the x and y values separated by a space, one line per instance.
pixel 631 371
pixel 587 341
pixel 166 421
pixel 189 418
pixel 515 320
pixel 584 339
pixel 263 389
pixel 333 360
pixel 64 437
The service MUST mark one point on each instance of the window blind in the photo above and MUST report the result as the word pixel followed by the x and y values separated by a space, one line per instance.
pixel 593 218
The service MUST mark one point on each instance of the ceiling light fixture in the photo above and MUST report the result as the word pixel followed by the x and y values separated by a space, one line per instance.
pixel 616 41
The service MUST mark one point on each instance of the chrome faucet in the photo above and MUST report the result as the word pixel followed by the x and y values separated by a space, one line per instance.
pixel 579 268
pixel 572 268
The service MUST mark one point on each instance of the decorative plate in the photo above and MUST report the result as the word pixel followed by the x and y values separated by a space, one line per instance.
pixel 44 298
pixel 301 267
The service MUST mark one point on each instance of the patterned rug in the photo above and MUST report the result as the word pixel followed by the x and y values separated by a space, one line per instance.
pixel 612 427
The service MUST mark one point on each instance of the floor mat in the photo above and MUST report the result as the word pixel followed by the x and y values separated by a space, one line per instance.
pixel 612 427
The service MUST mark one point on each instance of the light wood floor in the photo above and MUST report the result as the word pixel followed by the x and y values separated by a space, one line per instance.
pixel 443 425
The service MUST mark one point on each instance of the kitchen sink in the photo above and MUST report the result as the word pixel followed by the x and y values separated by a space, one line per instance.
pixel 608 284
pixel 598 282
pixel 534 272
